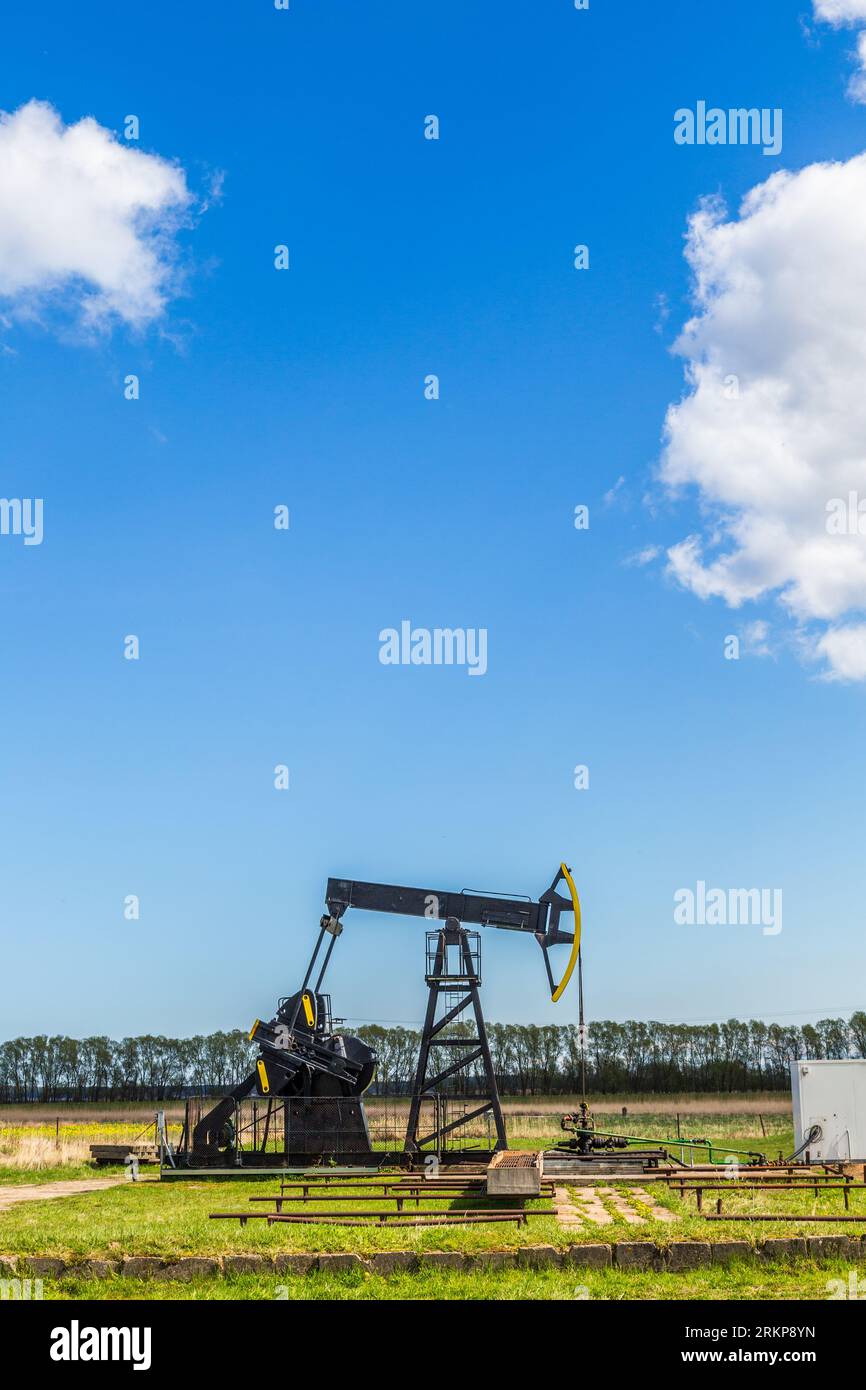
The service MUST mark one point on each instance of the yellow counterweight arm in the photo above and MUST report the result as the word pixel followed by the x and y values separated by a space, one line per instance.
pixel 575 945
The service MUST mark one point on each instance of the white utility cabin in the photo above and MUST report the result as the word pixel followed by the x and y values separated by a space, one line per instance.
pixel 831 1095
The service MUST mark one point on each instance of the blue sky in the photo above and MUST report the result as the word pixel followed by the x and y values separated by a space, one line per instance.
pixel 259 647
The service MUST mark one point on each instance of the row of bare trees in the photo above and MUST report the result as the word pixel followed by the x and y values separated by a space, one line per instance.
pixel 629 1057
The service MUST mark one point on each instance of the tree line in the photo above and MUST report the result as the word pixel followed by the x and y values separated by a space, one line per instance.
pixel 528 1059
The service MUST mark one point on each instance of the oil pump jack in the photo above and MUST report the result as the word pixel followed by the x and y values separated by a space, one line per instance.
pixel 314 1074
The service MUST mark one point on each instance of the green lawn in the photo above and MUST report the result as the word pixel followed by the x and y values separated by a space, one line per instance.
pixel 743 1280
pixel 65 1172
pixel 172 1219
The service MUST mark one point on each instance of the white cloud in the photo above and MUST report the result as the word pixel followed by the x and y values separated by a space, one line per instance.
pixel 644 556
pixel 857 84
pixel 773 426
pixel 845 13
pixel 840 11
pixel 845 651
pixel 612 493
pixel 87 222
pixel 756 638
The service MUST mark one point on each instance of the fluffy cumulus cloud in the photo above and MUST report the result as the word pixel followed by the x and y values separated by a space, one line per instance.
pixel 87 222
pixel 841 11
pixel 772 429
pixel 842 14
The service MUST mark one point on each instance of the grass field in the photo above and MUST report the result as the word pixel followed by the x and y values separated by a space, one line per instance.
pixel 139 1114
pixel 48 1138
pixel 172 1220
pixel 738 1281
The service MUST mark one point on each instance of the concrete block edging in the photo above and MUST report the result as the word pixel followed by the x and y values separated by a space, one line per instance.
pixel 679 1256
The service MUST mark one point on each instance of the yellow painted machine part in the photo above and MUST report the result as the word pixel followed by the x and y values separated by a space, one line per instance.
pixel 263 1076
pixel 575 947
pixel 252 1032
pixel 308 1010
